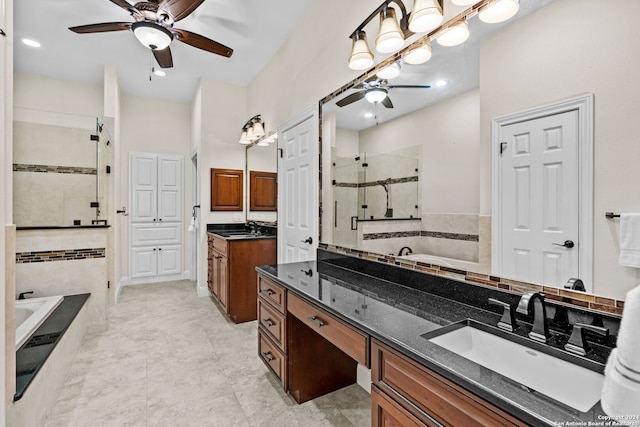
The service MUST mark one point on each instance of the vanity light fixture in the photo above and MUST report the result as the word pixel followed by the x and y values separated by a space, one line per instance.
pixel 454 35
pixel 463 2
pixel 425 16
pixel 419 55
pixel 499 11
pixel 151 35
pixel 252 130
pixel 390 37
pixel 389 72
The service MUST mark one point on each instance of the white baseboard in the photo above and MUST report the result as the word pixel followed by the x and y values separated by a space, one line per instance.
pixel 203 291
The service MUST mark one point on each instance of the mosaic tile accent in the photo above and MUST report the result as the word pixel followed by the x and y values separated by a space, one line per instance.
pixel 390 235
pixel 451 236
pixel 378 182
pixel 59 255
pixel 577 299
pixel 20 167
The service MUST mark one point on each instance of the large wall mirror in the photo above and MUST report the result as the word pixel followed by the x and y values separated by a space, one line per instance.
pixel 261 191
pixel 415 181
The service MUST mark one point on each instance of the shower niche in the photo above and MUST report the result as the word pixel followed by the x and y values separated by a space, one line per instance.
pixel 61 174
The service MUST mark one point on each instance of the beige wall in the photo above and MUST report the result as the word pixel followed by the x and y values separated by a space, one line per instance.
pixel 572 56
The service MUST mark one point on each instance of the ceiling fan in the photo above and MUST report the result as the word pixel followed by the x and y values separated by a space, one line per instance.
pixel 376 91
pixel 153 27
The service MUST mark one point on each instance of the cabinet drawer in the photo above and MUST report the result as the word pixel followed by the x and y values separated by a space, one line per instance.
pixel 415 386
pixel 274 323
pixel 273 293
pixel 272 357
pixel 219 244
pixel 347 339
pixel 387 413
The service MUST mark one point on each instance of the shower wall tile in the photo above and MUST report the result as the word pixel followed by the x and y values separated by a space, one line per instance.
pixel 484 249
pixel 450 223
pixel 450 248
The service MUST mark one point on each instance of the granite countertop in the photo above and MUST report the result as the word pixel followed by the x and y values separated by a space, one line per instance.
pixel 240 231
pixel 399 315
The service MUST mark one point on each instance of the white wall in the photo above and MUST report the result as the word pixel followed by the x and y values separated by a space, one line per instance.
pixel 575 54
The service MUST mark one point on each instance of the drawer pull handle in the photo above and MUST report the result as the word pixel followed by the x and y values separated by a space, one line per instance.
pixel 267 355
pixel 268 292
pixel 319 323
pixel 268 322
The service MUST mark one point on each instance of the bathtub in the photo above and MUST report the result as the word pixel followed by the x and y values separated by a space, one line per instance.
pixel 445 262
pixel 30 313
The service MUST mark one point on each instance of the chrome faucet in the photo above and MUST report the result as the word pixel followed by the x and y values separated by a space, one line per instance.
pixel 540 330
pixel 253 227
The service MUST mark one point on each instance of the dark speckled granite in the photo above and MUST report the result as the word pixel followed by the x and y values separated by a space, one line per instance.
pixel 34 353
pixel 230 231
pixel 398 307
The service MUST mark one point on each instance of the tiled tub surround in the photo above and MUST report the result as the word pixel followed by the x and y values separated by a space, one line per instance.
pixel 340 284
pixel 44 361
pixel 65 261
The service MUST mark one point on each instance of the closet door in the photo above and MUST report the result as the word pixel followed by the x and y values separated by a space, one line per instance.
pixel 169 260
pixel 144 262
pixel 169 188
pixel 144 187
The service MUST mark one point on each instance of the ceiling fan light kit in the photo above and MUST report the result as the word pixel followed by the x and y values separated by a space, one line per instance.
pixel 375 95
pixel 152 36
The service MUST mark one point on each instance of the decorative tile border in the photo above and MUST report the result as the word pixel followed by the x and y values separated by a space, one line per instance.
pixel 451 236
pixel 577 299
pixel 403 180
pixel 435 234
pixel 59 255
pixel 390 235
pixel 20 167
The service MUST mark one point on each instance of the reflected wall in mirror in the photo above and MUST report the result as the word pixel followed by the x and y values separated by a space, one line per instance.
pixel 59 175
pixel 262 168
pixel 552 50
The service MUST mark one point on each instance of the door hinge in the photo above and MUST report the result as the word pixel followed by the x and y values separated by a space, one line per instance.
pixel 280 151
pixel 503 147
pixel 108 284
pixel 2 33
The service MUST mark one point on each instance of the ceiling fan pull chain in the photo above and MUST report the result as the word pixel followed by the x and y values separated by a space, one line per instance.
pixel 150 64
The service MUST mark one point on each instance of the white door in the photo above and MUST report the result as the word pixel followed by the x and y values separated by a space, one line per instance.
pixel 298 196
pixel 169 188
pixel 144 177
pixel 543 193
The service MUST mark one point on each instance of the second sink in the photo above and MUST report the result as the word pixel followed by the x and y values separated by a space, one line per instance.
pixel 566 382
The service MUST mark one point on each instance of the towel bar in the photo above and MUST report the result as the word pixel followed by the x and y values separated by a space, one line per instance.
pixel 611 215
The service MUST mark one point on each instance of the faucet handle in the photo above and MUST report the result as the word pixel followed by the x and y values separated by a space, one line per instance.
pixel 577 343
pixel 508 320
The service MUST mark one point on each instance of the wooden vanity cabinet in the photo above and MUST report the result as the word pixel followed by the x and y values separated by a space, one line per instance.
pixel 232 273
pixel 408 390
pixel 272 328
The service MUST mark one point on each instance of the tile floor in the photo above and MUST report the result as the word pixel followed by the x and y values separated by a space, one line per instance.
pixel 170 358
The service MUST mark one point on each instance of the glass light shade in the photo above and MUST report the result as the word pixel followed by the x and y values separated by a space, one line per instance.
pixel 244 138
pixel 250 135
pixel 391 71
pixel 454 35
pixel 499 11
pixel 375 95
pixel 463 2
pixel 425 16
pixel 264 143
pixel 361 56
pixel 419 55
pixel 151 35
pixel 258 129
pixel 390 37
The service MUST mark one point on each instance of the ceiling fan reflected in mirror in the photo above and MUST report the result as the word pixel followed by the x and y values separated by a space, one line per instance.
pixel 153 27
pixel 376 91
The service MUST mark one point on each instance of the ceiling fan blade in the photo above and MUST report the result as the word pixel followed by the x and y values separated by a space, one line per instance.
pixel 351 98
pixel 101 28
pixel 409 86
pixel 164 58
pixel 126 6
pixel 179 9
pixel 387 102
pixel 201 42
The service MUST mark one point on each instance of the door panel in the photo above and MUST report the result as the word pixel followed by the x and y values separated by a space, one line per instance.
pixel 169 260
pixel 144 262
pixel 144 178
pixel 540 199
pixel 170 188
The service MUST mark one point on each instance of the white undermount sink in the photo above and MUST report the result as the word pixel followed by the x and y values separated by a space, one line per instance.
pixel 571 384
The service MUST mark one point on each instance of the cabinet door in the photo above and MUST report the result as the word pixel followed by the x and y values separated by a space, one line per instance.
pixel 144 262
pixel 224 281
pixel 215 275
pixel 144 195
pixel 227 189
pixel 169 260
pixel 169 188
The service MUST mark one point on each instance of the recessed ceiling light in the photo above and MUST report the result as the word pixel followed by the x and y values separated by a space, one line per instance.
pixel 31 43
pixel 159 73
pixel 368 115
pixel 440 83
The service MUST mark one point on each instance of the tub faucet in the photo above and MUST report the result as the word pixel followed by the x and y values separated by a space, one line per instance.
pixel 22 294
pixel 540 330
pixel 409 251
